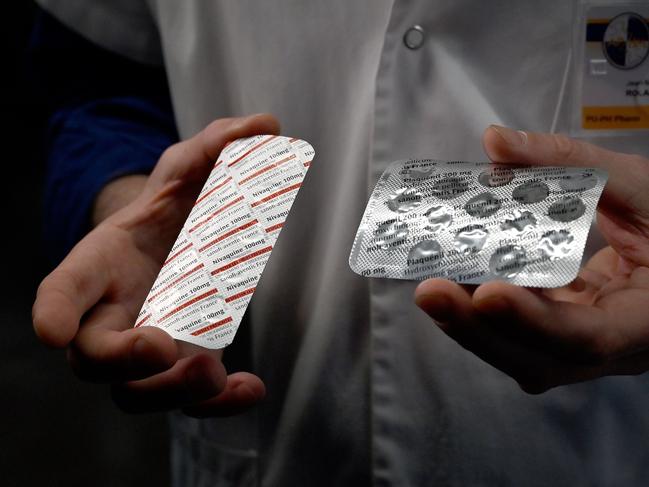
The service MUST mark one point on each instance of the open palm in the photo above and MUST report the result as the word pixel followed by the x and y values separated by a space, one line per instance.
pixel 89 303
pixel 597 325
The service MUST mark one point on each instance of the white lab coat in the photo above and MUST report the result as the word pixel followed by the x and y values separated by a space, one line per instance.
pixel 363 389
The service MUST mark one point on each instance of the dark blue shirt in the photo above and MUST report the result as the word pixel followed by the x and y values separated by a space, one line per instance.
pixel 108 117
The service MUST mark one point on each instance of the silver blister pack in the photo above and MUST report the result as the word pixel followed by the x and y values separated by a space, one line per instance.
pixel 473 222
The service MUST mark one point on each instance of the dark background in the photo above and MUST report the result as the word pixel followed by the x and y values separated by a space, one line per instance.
pixel 54 429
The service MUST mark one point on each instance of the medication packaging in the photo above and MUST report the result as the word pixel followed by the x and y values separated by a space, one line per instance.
pixel 206 282
pixel 472 222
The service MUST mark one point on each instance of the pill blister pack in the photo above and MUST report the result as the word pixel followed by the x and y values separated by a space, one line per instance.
pixel 212 270
pixel 473 222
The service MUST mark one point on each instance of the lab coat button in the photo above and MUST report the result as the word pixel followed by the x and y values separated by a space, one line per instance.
pixel 414 37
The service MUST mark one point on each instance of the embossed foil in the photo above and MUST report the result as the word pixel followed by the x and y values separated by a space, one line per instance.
pixel 473 222
pixel 205 285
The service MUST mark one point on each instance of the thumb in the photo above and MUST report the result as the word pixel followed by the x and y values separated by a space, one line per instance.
pixel 191 160
pixel 627 173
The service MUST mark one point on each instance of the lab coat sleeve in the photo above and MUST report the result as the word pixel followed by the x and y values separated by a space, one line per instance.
pixel 125 27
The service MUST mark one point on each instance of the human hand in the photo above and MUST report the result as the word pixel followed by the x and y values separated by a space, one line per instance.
pixel 89 303
pixel 597 325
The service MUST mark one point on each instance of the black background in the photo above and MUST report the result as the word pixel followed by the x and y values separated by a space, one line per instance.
pixel 54 429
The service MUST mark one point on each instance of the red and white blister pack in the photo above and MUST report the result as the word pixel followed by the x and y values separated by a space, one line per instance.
pixel 210 275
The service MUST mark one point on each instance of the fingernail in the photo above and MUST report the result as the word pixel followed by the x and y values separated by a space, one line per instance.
pixel 437 306
pixel 492 305
pixel 512 137
pixel 247 393
pixel 247 118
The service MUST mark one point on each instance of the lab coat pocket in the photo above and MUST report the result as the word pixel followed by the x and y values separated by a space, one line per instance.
pixel 202 461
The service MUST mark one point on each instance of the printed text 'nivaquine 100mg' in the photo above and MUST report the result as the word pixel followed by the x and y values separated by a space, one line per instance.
pixel 211 272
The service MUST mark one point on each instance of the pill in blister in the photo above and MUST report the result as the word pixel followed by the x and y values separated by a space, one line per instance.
pixel 473 222
pixel 438 217
pixel 404 200
pixel 507 261
pixel 531 192
pixel 556 244
pixel 423 258
pixel 518 221
pixel 482 205
pixel 567 209
pixel 495 176
pixel 471 239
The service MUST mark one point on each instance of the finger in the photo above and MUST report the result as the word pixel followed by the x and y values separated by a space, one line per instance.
pixel 192 159
pixel 625 230
pixel 186 349
pixel 190 380
pixel 605 262
pixel 106 350
pixel 584 289
pixel 451 305
pixel 626 172
pixel 68 292
pixel 242 391
pixel 575 332
pixel 445 301
pixel 597 276
pixel 626 311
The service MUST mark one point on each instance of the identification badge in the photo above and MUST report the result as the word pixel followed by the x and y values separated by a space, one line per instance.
pixel 612 43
